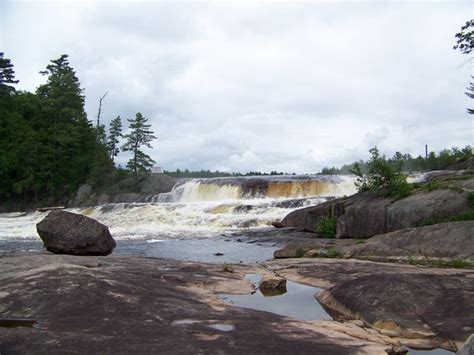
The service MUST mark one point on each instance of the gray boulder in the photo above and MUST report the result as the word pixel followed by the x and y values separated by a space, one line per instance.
pixel 365 214
pixel 444 240
pixel 69 233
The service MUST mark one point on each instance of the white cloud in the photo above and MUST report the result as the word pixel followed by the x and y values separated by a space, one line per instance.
pixel 260 86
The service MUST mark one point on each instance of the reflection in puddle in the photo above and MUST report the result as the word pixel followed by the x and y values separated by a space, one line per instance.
pixel 18 323
pixel 430 352
pixel 223 327
pixel 185 321
pixel 298 302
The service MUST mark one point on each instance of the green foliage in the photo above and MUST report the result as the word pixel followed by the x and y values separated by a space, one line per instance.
pixel 360 241
pixel 115 133
pixel 7 76
pixel 470 199
pixel 382 177
pixel 465 44
pixel 226 267
pixel 405 162
pixel 140 136
pixel 48 146
pixel 469 216
pixel 455 263
pixel 326 227
pixel 333 253
pixel 300 252
pixel 431 186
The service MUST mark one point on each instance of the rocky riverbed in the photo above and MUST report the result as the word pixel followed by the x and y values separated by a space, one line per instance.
pixel 142 305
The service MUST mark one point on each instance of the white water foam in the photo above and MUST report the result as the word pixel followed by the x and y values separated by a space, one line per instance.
pixel 196 209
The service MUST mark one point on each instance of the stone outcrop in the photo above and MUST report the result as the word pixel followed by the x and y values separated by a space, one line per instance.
pixel 126 191
pixel 421 305
pixel 444 240
pixel 427 307
pixel 69 233
pixel 365 214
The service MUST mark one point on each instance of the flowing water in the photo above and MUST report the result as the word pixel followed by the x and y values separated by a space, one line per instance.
pixel 196 211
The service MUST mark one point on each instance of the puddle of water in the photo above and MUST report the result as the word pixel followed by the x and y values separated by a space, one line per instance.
pixel 185 321
pixel 223 327
pixel 18 323
pixel 298 302
pixel 430 352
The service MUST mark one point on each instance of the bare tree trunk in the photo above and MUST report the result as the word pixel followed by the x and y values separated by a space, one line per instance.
pixel 98 124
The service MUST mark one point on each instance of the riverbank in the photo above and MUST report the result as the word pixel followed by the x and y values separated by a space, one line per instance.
pixel 123 304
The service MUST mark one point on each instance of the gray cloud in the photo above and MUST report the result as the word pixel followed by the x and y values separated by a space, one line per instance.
pixel 259 86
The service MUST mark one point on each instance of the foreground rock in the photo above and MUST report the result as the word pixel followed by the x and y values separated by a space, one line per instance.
pixel 426 307
pixel 69 233
pixel 139 305
pixel 452 240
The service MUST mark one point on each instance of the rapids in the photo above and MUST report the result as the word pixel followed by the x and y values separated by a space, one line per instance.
pixel 199 208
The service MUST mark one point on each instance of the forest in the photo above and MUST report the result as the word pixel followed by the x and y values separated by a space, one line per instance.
pixel 49 147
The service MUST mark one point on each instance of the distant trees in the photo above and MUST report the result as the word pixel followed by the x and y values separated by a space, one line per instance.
pixel 465 44
pixel 140 136
pixel 405 162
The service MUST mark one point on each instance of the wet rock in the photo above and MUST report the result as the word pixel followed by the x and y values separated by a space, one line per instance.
pixel 82 195
pixel 288 251
pixel 410 305
pixel 444 240
pixel 69 233
pixel 270 282
pixel 468 347
pixel 128 307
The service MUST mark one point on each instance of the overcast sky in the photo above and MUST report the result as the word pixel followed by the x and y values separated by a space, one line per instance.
pixel 259 86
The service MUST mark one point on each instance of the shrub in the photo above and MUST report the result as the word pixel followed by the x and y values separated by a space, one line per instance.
pixel 300 252
pixel 470 199
pixel 326 227
pixel 333 253
pixel 382 176
pixel 226 267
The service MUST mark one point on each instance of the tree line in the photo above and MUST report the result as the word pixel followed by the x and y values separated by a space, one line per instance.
pixel 48 145
pixel 405 162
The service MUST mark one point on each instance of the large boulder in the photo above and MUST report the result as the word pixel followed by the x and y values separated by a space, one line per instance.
pixel 444 240
pixel 423 305
pixel 69 233
pixel 365 214
pixel 425 207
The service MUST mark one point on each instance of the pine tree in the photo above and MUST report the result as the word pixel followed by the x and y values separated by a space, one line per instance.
pixel 465 44
pixel 115 133
pixel 71 136
pixel 139 136
pixel 7 76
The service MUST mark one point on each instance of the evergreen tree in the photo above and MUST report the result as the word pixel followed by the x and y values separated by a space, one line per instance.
pixel 7 76
pixel 465 44
pixel 115 133
pixel 72 139
pixel 140 135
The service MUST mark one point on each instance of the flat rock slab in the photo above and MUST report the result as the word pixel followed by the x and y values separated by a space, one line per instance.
pixel 444 240
pixel 403 300
pixel 139 305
